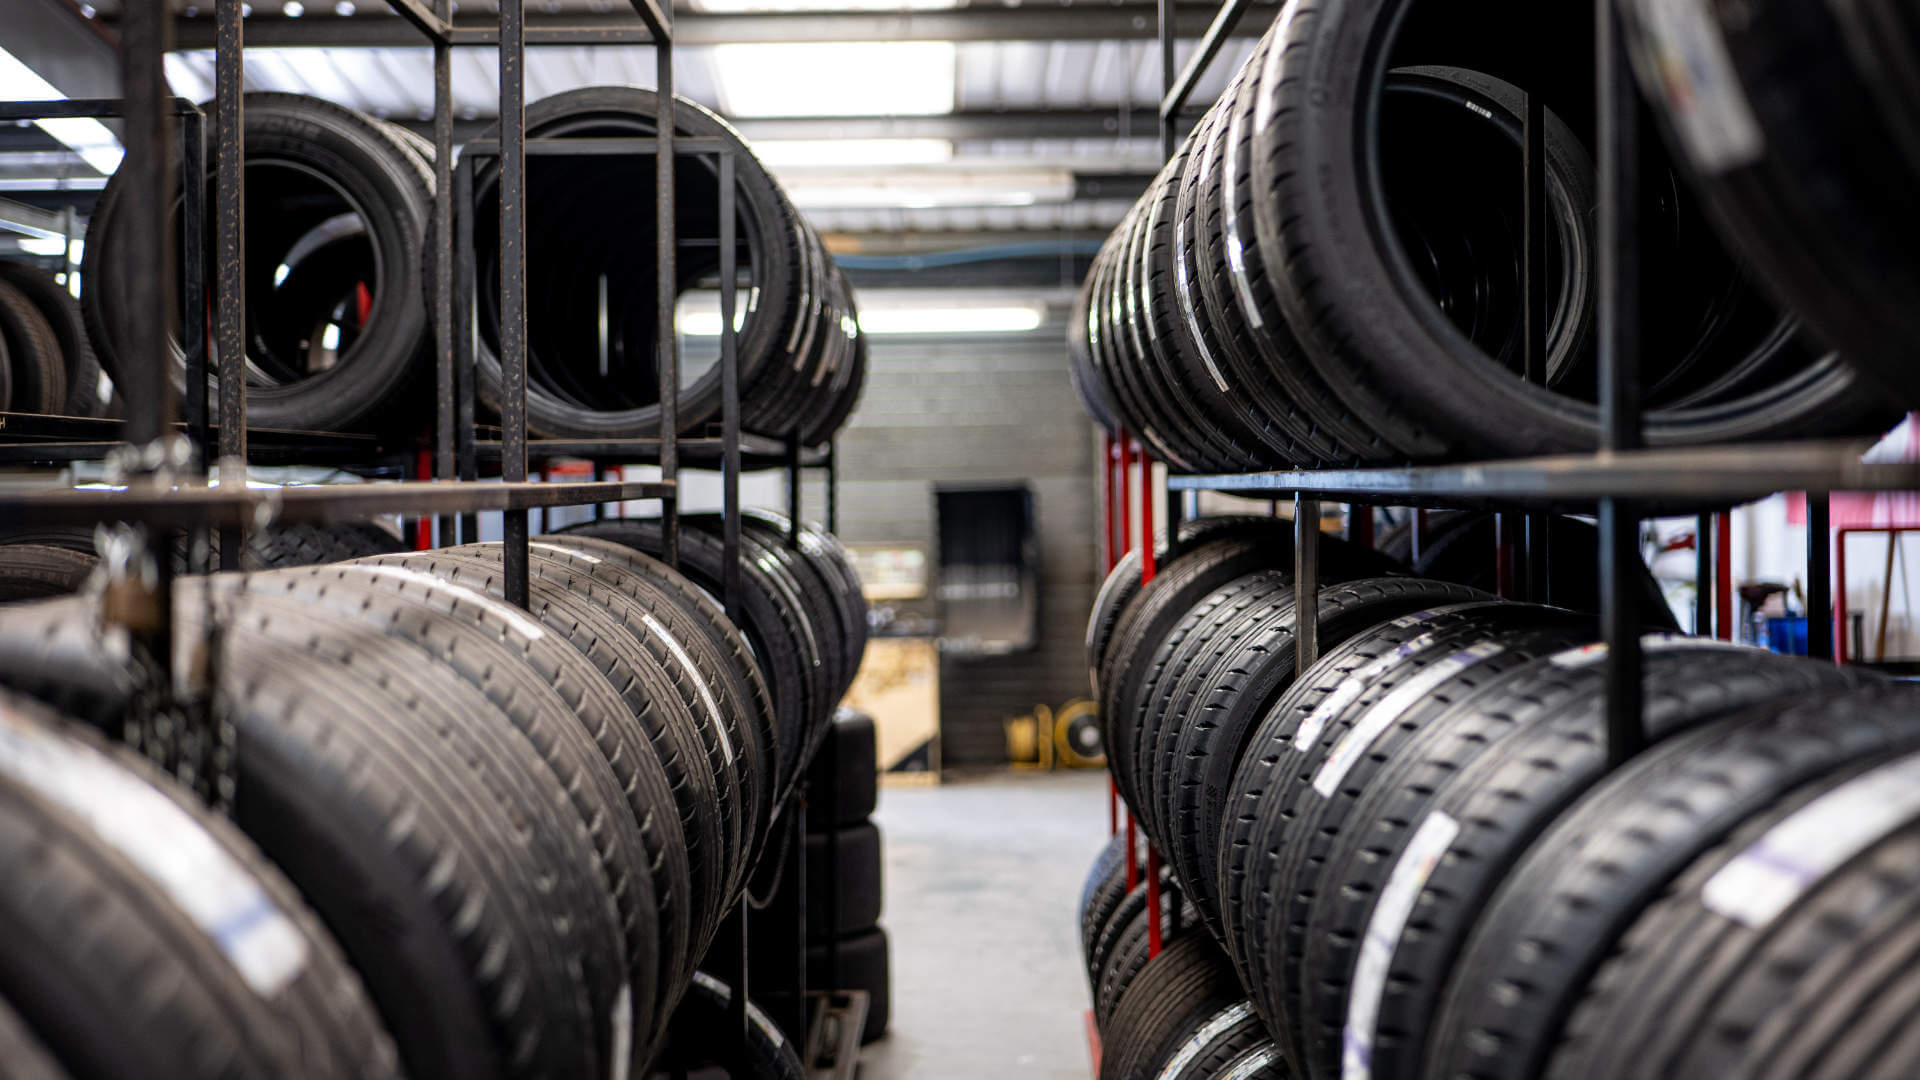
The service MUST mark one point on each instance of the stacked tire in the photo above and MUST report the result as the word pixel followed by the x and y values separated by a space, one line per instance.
pixel 847 948
pixel 591 273
pixel 521 828
pixel 49 366
pixel 338 329
pixel 1328 272
pixel 1414 860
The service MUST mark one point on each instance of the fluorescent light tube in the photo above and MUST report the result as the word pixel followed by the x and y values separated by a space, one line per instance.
pixel 901 78
pixel 87 137
pixel 829 153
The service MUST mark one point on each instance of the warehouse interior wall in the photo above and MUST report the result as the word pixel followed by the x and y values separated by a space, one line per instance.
pixel 979 409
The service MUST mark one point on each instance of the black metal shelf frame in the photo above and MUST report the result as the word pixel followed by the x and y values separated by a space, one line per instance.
pixel 146 446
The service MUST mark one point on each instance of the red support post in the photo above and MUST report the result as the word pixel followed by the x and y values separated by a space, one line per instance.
pixel 1147 567
pixel 423 525
pixel 1113 806
pixel 1109 543
pixel 1133 855
pixel 1126 493
pixel 1840 592
pixel 1723 574
pixel 1155 935
pixel 1360 524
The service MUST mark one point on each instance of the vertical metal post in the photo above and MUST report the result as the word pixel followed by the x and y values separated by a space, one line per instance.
pixel 1703 575
pixel 1418 535
pixel 1619 378
pixel 1126 492
pixel 465 338
pixel 1536 306
pixel 793 492
pixel 1149 563
pixel 194 306
pixel 513 286
pixel 668 251
pixel 1133 852
pixel 1503 551
pixel 1539 588
pixel 1536 316
pixel 230 244
pixel 444 392
pixel 729 399
pixel 1360 524
pixel 1306 582
pixel 833 486
pixel 1167 74
pixel 145 30
pixel 1820 576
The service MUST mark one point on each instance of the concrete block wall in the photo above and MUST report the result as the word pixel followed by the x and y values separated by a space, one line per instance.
pixel 980 409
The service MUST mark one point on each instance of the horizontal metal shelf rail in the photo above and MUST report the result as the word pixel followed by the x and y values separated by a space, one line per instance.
pixel 187 507
pixel 1717 474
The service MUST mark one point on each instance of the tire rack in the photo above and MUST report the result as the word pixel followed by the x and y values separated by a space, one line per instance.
pixel 166 475
pixel 1623 480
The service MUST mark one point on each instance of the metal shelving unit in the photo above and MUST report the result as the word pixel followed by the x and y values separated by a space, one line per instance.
pixel 162 462
pixel 1622 483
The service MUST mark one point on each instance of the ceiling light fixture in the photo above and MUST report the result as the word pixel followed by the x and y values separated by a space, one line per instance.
pixel 828 153
pixel 903 78
pixel 735 7
pixel 87 137
pixel 952 319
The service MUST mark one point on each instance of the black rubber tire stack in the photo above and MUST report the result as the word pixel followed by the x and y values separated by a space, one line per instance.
pixel 552 810
pixel 846 946
pixel 42 332
pixel 799 605
pixel 1328 270
pixel 337 212
pixel 1412 860
pixel 592 219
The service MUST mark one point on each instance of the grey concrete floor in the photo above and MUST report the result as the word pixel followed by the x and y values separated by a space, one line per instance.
pixel 982 885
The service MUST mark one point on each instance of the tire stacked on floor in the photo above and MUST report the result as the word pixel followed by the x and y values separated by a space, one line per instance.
pixel 338 328
pixel 522 828
pixel 49 366
pixel 1415 861
pixel 847 948
pixel 591 274
pixel 1328 270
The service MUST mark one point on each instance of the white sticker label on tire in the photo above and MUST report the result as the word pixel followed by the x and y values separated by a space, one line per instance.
pixel 1808 844
pixel 1209 1031
pixel 1346 753
pixel 1709 108
pixel 1588 655
pixel 166 844
pixel 1349 691
pixel 623 1024
pixel 1389 919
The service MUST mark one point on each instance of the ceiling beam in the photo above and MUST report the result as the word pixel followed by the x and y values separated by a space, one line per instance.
pixel 960 127
pixel 74 53
pixel 372 29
